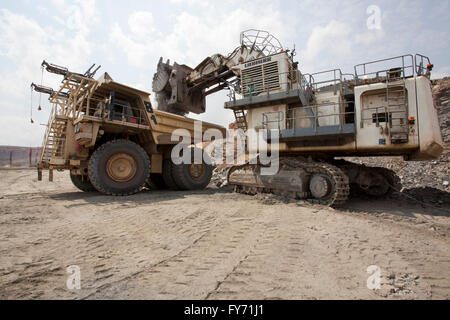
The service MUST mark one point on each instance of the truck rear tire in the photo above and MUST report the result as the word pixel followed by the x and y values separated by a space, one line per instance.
pixel 167 175
pixel 119 168
pixel 193 176
pixel 82 182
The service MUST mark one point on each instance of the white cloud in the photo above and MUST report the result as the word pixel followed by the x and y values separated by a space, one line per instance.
pixel 24 43
pixel 141 24
pixel 20 132
pixel 334 37
pixel 193 37
pixel 339 44
pixel 196 3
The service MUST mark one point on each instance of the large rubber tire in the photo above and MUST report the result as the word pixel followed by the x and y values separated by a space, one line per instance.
pixel 99 169
pixel 184 177
pixel 167 175
pixel 156 182
pixel 82 182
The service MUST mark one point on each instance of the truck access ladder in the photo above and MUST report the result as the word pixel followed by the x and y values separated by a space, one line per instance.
pixel 397 105
pixel 53 146
pixel 70 102
pixel 241 120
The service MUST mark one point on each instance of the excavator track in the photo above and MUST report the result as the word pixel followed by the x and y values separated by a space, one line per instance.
pixel 294 180
pixel 392 180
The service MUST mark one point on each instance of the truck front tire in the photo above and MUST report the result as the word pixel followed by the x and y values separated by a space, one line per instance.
pixel 119 167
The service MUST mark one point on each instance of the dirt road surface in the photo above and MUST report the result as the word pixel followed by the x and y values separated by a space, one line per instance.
pixel 214 244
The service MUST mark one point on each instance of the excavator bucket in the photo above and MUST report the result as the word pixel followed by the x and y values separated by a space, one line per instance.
pixel 172 92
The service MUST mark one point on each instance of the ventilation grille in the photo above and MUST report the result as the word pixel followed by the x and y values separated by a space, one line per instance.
pixel 258 79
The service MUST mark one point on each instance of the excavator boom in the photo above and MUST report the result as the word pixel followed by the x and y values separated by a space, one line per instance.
pixel 181 89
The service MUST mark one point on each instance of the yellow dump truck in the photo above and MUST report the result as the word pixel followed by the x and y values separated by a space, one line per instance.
pixel 112 140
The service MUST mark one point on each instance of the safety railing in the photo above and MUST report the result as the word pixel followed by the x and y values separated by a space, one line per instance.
pixel 267 121
pixel 327 78
pixel 307 85
pixel 51 118
pixel 118 112
pixel 53 143
pixel 377 117
pixel 331 79
pixel 314 115
pixel 422 64
pixel 288 119
pixel 379 70
pixel 261 40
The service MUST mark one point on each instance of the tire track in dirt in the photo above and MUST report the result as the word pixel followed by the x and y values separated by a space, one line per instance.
pixel 199 265
pixel 205 245
pixel 266 271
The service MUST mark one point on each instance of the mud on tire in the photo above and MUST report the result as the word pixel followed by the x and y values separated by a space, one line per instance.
pixel 119 167
pixel 82 182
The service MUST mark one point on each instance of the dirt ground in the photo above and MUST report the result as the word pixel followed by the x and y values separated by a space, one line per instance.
pixel 214 244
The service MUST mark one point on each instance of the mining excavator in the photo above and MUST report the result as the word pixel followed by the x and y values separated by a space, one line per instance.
pixel 383 108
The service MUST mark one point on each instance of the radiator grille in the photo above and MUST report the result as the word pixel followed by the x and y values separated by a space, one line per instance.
pixel 260 78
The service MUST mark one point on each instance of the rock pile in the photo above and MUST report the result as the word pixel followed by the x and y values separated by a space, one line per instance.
pixel 219 177
pixel 441 93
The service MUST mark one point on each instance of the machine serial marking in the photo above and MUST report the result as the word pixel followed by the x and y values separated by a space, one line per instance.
pixel 254 63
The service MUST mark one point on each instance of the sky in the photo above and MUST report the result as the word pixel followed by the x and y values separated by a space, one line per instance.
pixel 127 38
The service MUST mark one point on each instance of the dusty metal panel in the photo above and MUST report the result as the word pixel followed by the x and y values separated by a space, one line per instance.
pixel 308 133
pixel 156 163
pixel 291 96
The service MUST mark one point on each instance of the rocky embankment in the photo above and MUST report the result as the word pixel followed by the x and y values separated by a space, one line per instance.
pixel 441 93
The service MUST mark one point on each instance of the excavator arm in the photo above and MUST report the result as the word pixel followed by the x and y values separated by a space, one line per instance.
pixel 180 89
